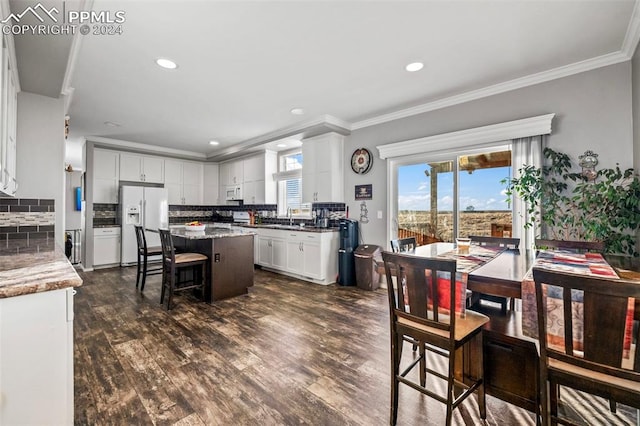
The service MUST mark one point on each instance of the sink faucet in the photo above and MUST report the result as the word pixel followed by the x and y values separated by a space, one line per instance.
pixel 290 215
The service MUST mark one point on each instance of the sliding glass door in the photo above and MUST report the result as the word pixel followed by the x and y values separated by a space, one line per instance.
pixel 440 197
pixel 425 201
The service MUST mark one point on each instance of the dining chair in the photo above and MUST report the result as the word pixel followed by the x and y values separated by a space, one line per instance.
pixel 601 363
pixel 580 246
pixel 173 263
pixel 422 309
pixel 144 253
pixel 402 245
pixel 501 242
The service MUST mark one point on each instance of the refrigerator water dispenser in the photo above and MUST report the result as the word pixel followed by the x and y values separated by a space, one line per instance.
pixel 132 215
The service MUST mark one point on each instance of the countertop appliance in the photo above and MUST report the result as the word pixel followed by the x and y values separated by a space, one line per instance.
pixel 241 217
pixel 145 206
pixel 348 243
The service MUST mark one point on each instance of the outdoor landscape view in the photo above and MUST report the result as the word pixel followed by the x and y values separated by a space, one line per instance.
pixel 481 201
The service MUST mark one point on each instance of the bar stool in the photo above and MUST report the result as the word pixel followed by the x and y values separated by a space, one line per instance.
pixel 144 252
pixel 172 263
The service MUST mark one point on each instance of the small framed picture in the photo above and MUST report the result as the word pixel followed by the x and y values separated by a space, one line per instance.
pixel 364 192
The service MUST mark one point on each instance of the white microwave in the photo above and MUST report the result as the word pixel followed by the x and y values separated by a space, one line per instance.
pixel 233 192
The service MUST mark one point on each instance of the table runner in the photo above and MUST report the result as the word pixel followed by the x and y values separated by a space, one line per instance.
pixel 465 263
pixel 477 256
pixel 588 264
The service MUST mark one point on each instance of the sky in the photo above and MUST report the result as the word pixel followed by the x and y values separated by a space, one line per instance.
pixel 481 189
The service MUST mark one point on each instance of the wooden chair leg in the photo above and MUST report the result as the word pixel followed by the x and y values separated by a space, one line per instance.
pixel 396 354
pixel 423 365
pixel 553 402
pixel 144 273
pixel 138 271
pixel 450 390
pixel 164 286
pixel 482 401
pixel 172 286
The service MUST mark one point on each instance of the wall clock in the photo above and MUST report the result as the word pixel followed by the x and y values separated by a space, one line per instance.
pixel 361 161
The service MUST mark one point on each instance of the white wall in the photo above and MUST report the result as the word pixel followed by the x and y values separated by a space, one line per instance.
pixel 40 152
pixel 593 111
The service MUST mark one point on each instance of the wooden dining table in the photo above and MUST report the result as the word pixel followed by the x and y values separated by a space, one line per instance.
pixel 500 276
pixel 510 357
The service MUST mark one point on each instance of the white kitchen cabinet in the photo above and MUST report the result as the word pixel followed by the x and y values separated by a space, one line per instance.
pixel 271 252
pixel 106 176
pixel 322 173
pixel 236 172
pixel 183 180
pixel 259 186
pixel 295 259
pixel 232 172
pixel 141 168
pixel 106 246
pixel 311 256
pixel 8 122
pixel 304 254
pixel 36 358
pixel 210 181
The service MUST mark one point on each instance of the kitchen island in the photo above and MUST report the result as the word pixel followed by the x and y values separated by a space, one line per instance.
pixel 230 253
pixel 36 333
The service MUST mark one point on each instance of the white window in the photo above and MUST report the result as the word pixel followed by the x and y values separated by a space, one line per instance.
pixel 290 185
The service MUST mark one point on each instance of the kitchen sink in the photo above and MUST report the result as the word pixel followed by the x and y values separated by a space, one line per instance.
pixel 279 226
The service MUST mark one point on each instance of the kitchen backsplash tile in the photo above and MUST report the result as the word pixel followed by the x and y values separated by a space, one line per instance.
pixel 26 219
pixel 106 215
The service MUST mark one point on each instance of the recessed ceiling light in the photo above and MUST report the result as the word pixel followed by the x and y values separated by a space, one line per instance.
pixel 297 111
pixel 166 63
pixel 111 124
pixel 282 145
pixel 415 66
pixel 214 143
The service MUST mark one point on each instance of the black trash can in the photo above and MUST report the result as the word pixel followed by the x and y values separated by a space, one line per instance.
pixel 348 244
pixel 367 258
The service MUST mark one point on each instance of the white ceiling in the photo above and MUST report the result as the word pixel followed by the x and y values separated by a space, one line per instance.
pixel 244 65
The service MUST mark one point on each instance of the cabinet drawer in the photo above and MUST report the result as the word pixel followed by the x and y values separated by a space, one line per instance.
pixel 511 370
pixel 105 232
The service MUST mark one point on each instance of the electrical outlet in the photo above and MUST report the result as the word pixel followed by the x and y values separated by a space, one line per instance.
pixel 379 214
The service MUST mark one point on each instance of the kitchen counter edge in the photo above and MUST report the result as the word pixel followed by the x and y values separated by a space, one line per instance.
pixel 29 272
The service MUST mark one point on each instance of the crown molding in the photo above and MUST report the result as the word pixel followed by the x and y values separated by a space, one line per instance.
pixel 72 60
pixel 306 129
pixel 518 83
pixel 532 126
pixel 102 142
pixel 632 36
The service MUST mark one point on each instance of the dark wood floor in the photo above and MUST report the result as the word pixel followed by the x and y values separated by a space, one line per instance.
pixel 290 352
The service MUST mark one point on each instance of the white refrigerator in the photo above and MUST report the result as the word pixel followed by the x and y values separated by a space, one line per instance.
pixel 145 206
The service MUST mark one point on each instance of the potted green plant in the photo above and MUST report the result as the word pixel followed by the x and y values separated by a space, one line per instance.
pixel 566 205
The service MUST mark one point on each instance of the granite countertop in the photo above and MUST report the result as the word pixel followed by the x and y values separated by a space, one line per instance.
pixel 34 267
pixel 292 228
pixel 209 233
